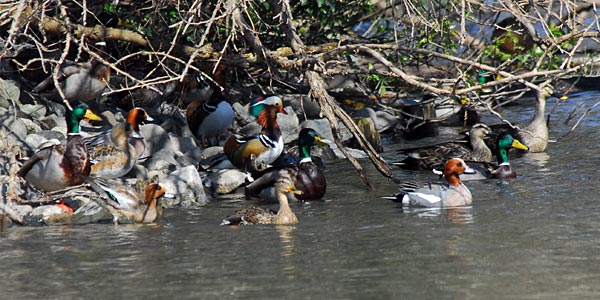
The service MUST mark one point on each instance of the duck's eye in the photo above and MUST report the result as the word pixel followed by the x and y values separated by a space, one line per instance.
pixel 459 164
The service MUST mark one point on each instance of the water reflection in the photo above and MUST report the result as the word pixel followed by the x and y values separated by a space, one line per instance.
pixel 539 159
pixel 286 237
pixel 456 215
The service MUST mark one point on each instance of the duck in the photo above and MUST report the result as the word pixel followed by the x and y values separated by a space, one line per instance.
pixel 209 119
pixel 453 193
pixel 308 177
pixel 501 170
pixel 256 215
pixel 113 153
pixel 255 153
pixel 138 206
pixel 78 81
pixel 535 133
pixel 62 163
pixel 428 157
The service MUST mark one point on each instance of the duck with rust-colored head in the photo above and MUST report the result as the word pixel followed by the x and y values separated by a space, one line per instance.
pixel 256 215
pixel 114 152
pixel 437 194
pixel 64 163
pixel 255 153
pixel 138 206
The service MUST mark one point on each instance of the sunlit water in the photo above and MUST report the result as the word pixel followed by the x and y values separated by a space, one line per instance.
pixel 535 237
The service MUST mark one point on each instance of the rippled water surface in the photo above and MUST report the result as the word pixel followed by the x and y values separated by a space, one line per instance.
pixel 536 237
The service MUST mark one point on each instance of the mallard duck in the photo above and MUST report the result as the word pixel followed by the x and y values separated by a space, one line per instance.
pixel 122 200
pixel 61 164
pixel 78 81
pixel 111 154
pixel 502 170
pixel 308 177
pixel 437 194
pixel 534 134
pixel 255 153
pixel 255 215
pixel 428 157
pixel 209 120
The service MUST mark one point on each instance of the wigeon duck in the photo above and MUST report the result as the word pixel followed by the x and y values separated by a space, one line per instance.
pixel 255 153
pixel 437 194
pixel 61 164
pixel 139 206
pixel 255 215
pixel 428 157
pixel 307 176
pixel 210 119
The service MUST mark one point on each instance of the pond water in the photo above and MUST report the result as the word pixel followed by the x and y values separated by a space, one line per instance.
pixel 535 237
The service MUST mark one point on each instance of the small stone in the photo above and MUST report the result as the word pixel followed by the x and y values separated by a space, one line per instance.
pixel 52 214
pixel 226 181
pixel 32 127
pixel 186 184
pixel 35 111
pixel 182 144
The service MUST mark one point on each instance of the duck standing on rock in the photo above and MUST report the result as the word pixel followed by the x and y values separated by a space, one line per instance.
pixel 428 157
pixel 210 119
pixel 255 153
pixel 434 194
pixel 307 176
pixel 114 152
pixel 255 215
pixel 61 164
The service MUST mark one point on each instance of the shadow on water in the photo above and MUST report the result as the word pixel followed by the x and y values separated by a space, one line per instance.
pixel 534 237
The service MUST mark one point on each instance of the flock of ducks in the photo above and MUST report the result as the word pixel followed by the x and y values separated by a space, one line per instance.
pixel 99 159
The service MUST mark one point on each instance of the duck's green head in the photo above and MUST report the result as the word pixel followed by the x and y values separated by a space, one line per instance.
pixel 80 111
pixel 505 142
pixel 307 138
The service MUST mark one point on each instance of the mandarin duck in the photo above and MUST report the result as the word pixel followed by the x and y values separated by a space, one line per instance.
pixel 255 153
pixel 437 194
pixel 64 163
pixel 255 215
pixel 138 206
pixel 209 119
pixel 428 157
pixel 307 176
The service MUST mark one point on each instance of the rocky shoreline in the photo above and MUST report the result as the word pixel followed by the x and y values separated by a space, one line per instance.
pixel 172 155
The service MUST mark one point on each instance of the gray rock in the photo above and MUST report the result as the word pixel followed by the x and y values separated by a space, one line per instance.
pixel 305 106
pixel 156 139
pixel 9 91
pixel 52 134
pixel 289 125
pixel 321 126
pixel 226 181
pixel 15 129
pixel 50 121
pixel 138 171
pixel 242 113
pixel 51 214
pixel 186 184
pixel 35 111
pixel 182 144
pixel 195 155
pixel 35 140
pixel 32 127
pixel 163 161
